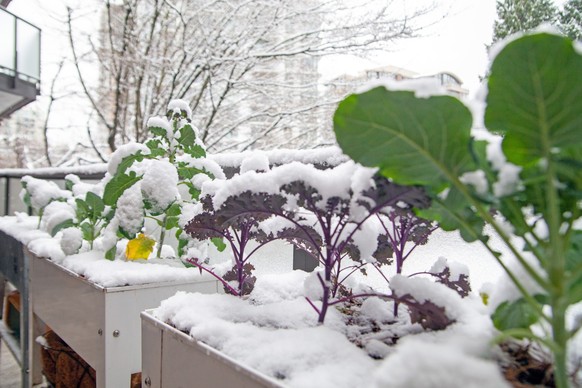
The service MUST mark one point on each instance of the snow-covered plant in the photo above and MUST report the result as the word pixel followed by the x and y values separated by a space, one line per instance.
pixel 324 213
pixel 146 180
pixel 532 181
pixel 91 216
pixel 37 194
pixel 238 228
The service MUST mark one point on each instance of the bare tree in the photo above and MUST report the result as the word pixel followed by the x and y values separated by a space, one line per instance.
pixel 248 68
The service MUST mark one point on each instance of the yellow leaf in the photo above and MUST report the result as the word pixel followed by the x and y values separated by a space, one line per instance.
pixel 139 248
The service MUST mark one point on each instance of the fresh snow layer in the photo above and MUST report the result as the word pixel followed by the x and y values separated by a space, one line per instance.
pixel 275 331
pixel 330 156
pixel 92 264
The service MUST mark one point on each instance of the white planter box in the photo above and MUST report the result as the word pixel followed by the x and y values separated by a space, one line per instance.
pixel 102 324
pixel 171 359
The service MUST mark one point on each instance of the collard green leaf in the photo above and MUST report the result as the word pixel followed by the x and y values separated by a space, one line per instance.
pixel 454 213
pixel 535 98
pixel 128 161
pixel 413 141
pixel 63 225
pixel 156 149
pixel 82 210
pixel 159 131
pixel 95 204
pixel 195 151
pixel 88 231
pixel 514 315
pixel 187 172
pixel 187 136
pixel 117 185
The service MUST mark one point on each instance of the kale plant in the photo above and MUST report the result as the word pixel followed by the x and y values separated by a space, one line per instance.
pixel 325 220
pixel 534 101
pixel 235 224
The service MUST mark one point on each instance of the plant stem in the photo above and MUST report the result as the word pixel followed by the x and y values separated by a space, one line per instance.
pixel 162 236
pixel 560 336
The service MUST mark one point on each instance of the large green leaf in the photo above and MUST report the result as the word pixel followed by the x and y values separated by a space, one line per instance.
pixel 413 140
pixel 454 213
pixel 128 161
pixel 117 185
pixel 535 98
pixel 514 315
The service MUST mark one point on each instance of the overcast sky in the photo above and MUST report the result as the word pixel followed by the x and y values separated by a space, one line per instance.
pixel 457 44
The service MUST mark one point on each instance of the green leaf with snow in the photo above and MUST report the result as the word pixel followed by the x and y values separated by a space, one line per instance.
pixel 159 131
pixel 82 209
pixel 196 151
pixel 128 161
pixel 187 136
pixel 188 172
pixel 413 141
pixel 454 213
pixel 63 225
pixel 535 98
pixel 95 204
pixel 514 315
pixel 117 186
pixel 156 148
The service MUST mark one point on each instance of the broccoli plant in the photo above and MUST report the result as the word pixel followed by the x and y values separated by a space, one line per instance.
pixel 533 180
pixel 146 180
pixel 37 194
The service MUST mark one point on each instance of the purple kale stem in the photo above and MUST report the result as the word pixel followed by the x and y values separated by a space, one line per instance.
pixel 211 272
pixel 325 298
pixel 241 261
pixel 312 305
pixel 355 268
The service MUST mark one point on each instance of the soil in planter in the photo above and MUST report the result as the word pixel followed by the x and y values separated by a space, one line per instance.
pixel 525 369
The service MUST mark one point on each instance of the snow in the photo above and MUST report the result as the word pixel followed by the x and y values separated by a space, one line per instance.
pixel 92 264
pixel 80 189
pixel 159 184
pixel 55 213
pixel 42 191
pixel 476 179
pixel 257 161
pixel 456 269
pixel 206 164
pixel 420 364
pixel 71 240
pixel 130 212
pixel 123 152
pixel 178 105
pixel 161 122
pixel 329 156
pixel 275 332
pixel 422 87
pixel 331 182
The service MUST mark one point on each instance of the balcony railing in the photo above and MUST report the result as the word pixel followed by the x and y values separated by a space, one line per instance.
pixel 19 62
